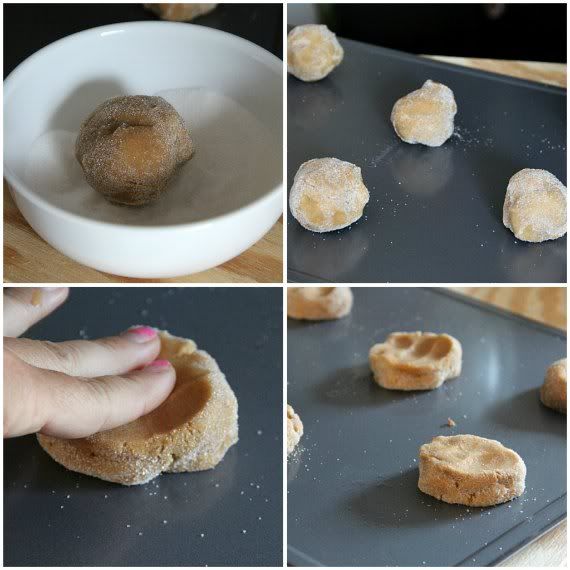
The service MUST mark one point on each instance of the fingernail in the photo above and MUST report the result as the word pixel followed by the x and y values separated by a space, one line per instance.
pixel 158 365
pixel 140 334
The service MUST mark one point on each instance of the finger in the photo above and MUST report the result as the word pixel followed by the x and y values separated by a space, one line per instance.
pixel 113 355
pixel 64 406
pixel 25 306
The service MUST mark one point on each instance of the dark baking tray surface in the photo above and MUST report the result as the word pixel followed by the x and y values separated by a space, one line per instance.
pixel 104 524
pixel 435 214
pixel 353 498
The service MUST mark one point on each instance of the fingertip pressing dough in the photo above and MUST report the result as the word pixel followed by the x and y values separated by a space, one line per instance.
pixel 425 116
pixel 553 391
pixel 328 194
pixel 415 361
pixel 180 12
pixel 294 429
pixel 535 206
pixel 130 147
pixel 190 431
pixel 312 52
pixel 319 303
pixel 470 470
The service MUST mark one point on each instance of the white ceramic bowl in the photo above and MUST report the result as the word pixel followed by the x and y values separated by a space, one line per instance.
pixel 198 225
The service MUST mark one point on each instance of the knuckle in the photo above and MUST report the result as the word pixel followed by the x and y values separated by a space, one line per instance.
pixel 66 355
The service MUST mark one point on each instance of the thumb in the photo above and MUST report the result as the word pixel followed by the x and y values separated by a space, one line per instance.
pixel 80 407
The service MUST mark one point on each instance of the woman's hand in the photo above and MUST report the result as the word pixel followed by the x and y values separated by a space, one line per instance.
pixel 76 388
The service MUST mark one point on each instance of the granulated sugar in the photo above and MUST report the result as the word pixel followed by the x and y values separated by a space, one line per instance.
pixel 237 159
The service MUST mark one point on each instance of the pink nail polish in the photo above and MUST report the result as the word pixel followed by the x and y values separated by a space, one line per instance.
pixel 157 364
pixel 140 333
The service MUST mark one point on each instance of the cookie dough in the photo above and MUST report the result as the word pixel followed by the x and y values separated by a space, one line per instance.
pixel 130 147
pixel 535 206
pixel 425 116
pixel 180 12
pixel 327 194
pixel 553 391
pixel 294 429
pixel 415 361
pixel 190 431
pixel 470 470
pixel 318 303
pixel 312 52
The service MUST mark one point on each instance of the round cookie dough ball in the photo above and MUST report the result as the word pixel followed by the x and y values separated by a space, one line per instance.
pixel 327 194
pixel 294 429
pixel 312 52
pixel 535 206
pixel 180 12
pixel 553 391
pixel 425 116
pixel 130 147
pixel 318 303
pixel 415 361
pixel 470 470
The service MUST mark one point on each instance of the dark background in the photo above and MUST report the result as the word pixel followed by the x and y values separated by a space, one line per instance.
pixel 30 27
pixel 535 32
pixel 100 522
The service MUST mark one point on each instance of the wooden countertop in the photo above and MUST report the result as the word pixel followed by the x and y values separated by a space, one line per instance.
pixel 547 305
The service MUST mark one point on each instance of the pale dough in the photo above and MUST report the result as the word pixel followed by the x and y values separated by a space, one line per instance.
pixel 535 206
pixel 553 391
pixel 318 303
pixel 425 116
pixel 180 12
pixel 190 431
pixel 312 52
pixel 294 429
pixel 415 361
pixel 327 194
pixel 470 470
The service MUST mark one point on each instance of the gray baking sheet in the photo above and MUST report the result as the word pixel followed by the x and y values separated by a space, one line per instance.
pixel 435 214
pixel 352 484
pixel 228 516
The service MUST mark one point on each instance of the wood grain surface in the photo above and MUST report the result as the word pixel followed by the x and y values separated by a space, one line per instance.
pixel 546 305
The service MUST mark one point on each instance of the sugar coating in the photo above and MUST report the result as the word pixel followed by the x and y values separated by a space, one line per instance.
pixel 553 391
pixel 535 206
pixel 470 470
pixel 294 429
pixel 180 12
pixel 190 431
pixel 130 147
pixel 327 194
pixel 425 116
pixel 312 52
pixel 319 303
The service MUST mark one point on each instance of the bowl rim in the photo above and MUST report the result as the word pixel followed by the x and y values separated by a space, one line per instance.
pixel 17 185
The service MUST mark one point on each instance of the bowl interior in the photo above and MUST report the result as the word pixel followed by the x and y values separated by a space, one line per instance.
pixel 228 91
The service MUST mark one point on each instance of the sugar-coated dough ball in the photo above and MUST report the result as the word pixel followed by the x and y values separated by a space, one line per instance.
pixel 535 206
pixel 175 12
pixel 425 116
pixel 294 429
pixel 327 194
pixel 312 52
pixel 470 470
pixel 130 147
pixel 318 303
pixel 553 391
pixel 415 361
